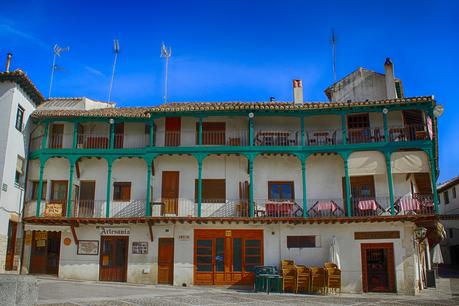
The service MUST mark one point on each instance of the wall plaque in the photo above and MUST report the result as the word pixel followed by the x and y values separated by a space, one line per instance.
pixel 140 247
pixel 88 247
pixel 53 210
pixel 377 235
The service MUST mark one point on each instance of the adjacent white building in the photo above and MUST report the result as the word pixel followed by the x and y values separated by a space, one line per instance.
pixel 449 209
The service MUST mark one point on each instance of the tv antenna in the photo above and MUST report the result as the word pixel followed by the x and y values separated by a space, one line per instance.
pixel 165 54
pixel 57 52
pixel 116 50
pixel 333 42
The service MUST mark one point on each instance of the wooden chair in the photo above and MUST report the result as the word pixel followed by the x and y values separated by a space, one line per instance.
pixel 330 264
pixel 333 279
pixel 303 279
pixel 289 279
pixel 286 262
pixel 318 279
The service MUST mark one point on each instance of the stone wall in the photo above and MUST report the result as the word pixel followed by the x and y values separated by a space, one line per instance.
pixel 18 290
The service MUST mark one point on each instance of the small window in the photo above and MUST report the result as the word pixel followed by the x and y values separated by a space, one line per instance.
pixel 122 191
pixel 280 191
pixel 19 170
pixel 301 242
pixel 213 191
pixel 35 190
pixel 446 197
pixel 20 118
pixel 450 232
pixel 454 192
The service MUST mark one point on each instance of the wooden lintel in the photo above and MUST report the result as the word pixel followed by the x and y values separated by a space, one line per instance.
pixel 150 229
pixel 75 237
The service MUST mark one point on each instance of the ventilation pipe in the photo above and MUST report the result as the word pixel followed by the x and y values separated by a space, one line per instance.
pixel 390 79
pixel 297 92
pixel 8 62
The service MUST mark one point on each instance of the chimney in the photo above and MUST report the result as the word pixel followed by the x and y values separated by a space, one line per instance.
pixel 8 62
pixel 297 92
pixel 390 79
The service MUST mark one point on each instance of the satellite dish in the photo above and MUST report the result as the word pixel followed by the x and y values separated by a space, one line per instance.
pixel 438 110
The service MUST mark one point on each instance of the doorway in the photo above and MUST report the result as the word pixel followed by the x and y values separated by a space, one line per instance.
pixel 113 258
pixel 87 196
pixel 172 133
pixel 170 192
pixel 57 136
pixel 378 269
pixel 227 257
pixel 45 252
pixel 59 191
pixel 119 135
pixel 10 265
pixel 166 261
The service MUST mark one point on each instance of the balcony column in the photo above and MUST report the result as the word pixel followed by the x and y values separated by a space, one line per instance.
pixel 386 128
pixel 389 181
pixel 251 204
pixel 251 131
pixel 348 185
pixel 344 127
pixel 45 135
pixel 75 135
pixel 303 175
pixel 199 188
pixel 152 133
pixel 40 187
pixel 70 193
pixel 148 205
pixel 112 135
pixel 200 131
pixel 302 130
pixel 433 175
pixel 109 185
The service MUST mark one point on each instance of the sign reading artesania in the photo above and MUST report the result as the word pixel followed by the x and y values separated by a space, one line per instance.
pixel 115 231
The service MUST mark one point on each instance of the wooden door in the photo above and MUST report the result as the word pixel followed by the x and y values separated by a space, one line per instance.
pixel 53 253
pixel 87 197
pixel 166 261
pixel 113 258
pixel 57 136
pixel 170 191
pixel 59 191
pixel 378 269
pixel 119 135
pixel 362 187
pixel 45 252
pixel 172 132
pixel 11 246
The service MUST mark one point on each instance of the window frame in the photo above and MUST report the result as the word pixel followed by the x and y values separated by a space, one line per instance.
pixel 204 197
pixel 19 175
pixel 34 195
pixel 358 121
pixel 301 241
pixel 290 183
pixel 446 197
pixel 118 195
pixel 19 124
pixel 453 191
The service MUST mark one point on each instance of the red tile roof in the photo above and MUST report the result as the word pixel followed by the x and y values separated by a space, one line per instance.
pixel 20 77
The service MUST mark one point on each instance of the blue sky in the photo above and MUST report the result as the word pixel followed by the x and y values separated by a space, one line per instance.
pixel 237 50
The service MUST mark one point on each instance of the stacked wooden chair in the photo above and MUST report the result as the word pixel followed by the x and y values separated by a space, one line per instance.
pixel 288 276
pixel 303 279
pixel 318 279
pixel 333 280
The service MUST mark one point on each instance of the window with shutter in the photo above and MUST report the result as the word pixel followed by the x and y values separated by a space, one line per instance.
pixel 213 191
pixel 122 191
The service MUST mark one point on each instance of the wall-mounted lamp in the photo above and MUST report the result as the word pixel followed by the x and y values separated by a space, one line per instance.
pixel 111 120
pixel 420 233
pixel 385 111
pixel 251 115
pixel 438 110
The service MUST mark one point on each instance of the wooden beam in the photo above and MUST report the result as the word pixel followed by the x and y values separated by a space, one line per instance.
pixel 75 237
pixel 150 230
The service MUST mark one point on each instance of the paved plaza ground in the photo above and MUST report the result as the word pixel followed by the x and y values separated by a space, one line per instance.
pixel 70 293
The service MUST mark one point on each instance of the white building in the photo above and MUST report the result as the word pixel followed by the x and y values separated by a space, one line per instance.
pixel 201 193
pixel 449 209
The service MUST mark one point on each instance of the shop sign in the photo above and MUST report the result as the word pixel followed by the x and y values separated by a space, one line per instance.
pixel 228 233
pixel 377 235
pixel 41 235
pixel 28 238
pixel 115 231
pixel 53 210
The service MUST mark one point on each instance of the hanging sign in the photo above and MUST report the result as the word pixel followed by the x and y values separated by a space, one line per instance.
pixel 28 238
pixel 53 209
pixel 115 231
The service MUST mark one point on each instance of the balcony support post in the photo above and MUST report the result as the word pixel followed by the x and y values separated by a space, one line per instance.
pixel 75 133
pixel 112 136
pixel 303 175
pixel 109 185
pixel 433 175
pixel 70 189
pixel 251 131
pixel 302 130
pixel 348 184
pixel 389 182
pixel 152 133
pixel 200 131
pixel 40 187
pixel 251 203
pixel 45 135
pixel 148 206
pixel 344 127
pixel 199 188
pixel 386 128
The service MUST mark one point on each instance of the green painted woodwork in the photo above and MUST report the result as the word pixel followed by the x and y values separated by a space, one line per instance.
pixel 112 136
pixel 344 127
pixel 302 130
pixel 70 193
pixel 390 183
pixel 75 133
pixel 200 131
pixel 386 128
pixel 152 133
pixel 40 188
pixel 433 176
pixel 303 176
pixel 148 205
pixel 348 187
pixel 109 185
pixel 45 136
pixel 251 183
pixel 199 187
pixel 251 132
